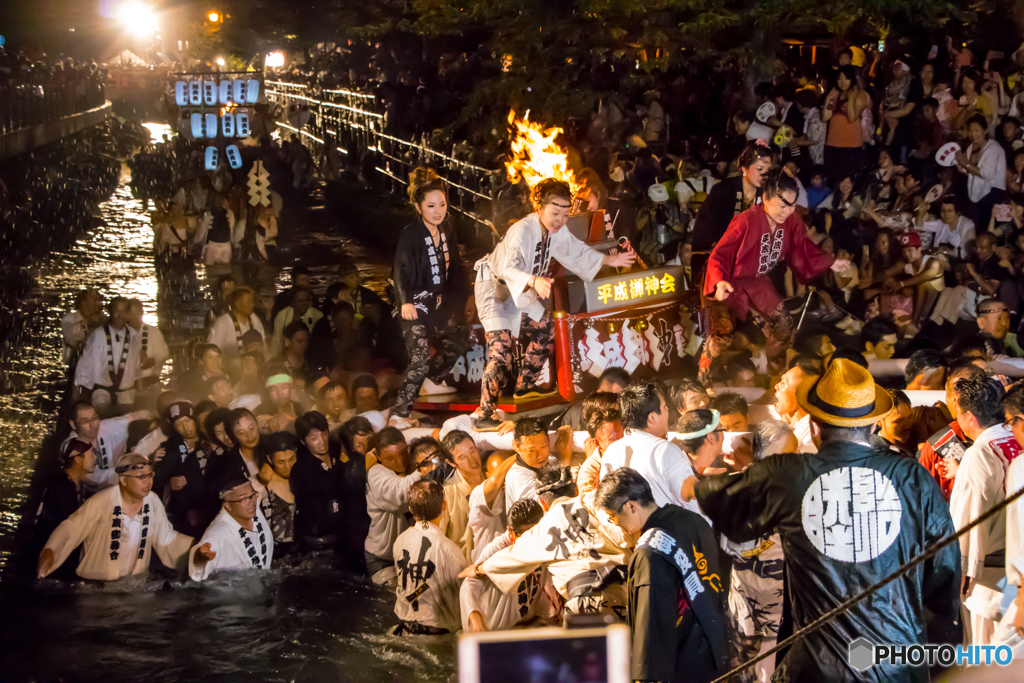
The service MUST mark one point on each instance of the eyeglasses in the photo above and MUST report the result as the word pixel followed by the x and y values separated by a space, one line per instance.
pixel 246 499
pixel 1013 421
pixel 431 459
pixel 138 476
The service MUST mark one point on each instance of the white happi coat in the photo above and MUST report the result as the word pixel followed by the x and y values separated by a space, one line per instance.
pixel 387 499
pixel 520 483
pixel 502 287
pixel 222 333
pixel 75 330
pixel 428 564
pixel 502 611
pixel 662 463
pixel 981 483
pixel 228 539
pixel 93 367
pixel 487 522
pixel 562 541
pixel 1005 633
pixel 113 541
pixel 454 520
pixel 152 339
pixel 110 444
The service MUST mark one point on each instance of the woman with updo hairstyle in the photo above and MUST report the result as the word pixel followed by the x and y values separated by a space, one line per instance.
pixel 513 294
pixel 728 199
pixel 430 293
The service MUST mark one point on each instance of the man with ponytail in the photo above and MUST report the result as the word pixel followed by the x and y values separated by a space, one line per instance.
pixel 513 293
pixel 430 291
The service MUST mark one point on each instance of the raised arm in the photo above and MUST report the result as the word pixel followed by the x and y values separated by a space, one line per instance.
pixel 492 484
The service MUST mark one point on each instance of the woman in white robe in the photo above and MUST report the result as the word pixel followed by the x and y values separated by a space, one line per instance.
pixel 512 283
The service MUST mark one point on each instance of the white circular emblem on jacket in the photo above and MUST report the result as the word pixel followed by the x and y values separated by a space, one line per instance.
pixel 852 514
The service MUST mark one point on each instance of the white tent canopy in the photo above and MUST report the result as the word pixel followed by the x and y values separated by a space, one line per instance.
pixel 126 58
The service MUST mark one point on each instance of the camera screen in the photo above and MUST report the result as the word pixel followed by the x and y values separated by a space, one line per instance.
pixel 545 661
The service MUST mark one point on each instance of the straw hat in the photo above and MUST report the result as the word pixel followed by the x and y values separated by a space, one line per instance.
pixel 845 396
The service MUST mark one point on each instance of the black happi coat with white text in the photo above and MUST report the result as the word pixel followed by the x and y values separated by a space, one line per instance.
pixel 673 638
pixel 848 517
pixel 420 274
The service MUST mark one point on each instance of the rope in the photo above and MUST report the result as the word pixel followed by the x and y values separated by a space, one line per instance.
pixel 871 590
pixel 584 316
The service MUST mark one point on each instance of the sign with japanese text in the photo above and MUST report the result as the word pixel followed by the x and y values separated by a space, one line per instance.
pixel 618 291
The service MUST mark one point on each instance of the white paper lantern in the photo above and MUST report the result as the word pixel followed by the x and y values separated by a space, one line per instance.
pixel 195 93
pixel 242 124
pixel 212 158
pixel 225 91
pixel 197 125
pixel 227 125
pixel 234 156
pixel 252 91
pixel 238 90
pixel 209 93
pixel 181 93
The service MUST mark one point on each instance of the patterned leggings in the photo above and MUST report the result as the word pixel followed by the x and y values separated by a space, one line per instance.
pixel 449 344
pixel 538 342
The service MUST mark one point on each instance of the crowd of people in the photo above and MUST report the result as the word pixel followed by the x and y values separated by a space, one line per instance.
pixel 825 242
pixel 34 91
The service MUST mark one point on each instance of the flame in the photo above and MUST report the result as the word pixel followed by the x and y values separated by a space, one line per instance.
pixel 535 155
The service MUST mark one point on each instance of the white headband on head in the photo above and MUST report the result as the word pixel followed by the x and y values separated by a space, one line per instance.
pixel 715 418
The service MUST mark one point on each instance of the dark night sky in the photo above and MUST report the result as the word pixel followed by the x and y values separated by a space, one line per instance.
pixel 43 26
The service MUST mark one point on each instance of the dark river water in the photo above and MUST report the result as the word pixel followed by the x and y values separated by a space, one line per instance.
pixel 305 620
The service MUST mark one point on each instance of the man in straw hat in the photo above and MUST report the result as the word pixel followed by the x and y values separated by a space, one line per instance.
pixel 848 516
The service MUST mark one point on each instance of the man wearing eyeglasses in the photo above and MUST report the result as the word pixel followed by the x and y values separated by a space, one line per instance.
pixel 120 527
pixel 239 537
pixel 756 241
pixel 994 323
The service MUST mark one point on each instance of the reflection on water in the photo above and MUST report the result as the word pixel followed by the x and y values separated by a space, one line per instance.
pixel 303 621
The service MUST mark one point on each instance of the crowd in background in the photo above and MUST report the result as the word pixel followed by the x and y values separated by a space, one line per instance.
pixel 274 439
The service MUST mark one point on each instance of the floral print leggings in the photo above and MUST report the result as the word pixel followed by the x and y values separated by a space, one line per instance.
pixel 449 344
pixel 538 342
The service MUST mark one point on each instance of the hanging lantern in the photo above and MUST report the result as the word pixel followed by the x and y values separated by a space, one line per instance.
pixel 209 93
pixel 234 156
pixel 242 124
pixel 225 91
